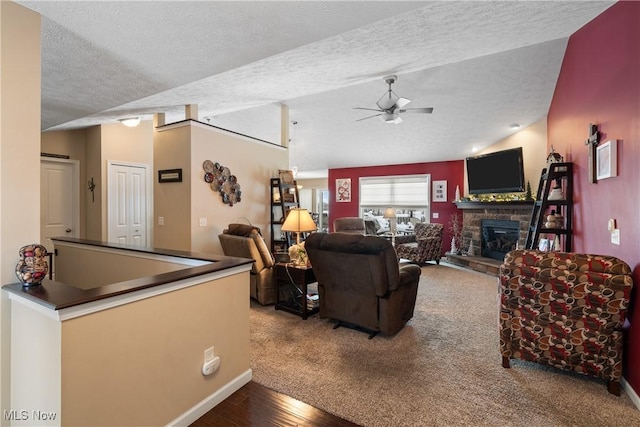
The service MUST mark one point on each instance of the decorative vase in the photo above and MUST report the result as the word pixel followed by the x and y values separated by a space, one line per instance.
pixel 32 267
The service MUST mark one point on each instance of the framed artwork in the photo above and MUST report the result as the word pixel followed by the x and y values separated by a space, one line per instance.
pixel 439 191
pixel 170 175
pixel 343 190
pixel 607 159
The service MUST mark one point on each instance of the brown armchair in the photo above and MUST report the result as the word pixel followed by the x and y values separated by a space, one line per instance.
pixel 245 241
pixel 565 310
pixel 425 245
pixel 360 283
pixel 353 225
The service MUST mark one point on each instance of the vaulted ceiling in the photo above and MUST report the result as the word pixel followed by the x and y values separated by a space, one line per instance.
pixel 482 66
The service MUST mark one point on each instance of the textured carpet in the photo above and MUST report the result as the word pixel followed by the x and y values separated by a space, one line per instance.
pixel 443 369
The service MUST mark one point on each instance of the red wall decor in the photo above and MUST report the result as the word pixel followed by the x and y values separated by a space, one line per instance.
pixel 599 84
pixel 452 172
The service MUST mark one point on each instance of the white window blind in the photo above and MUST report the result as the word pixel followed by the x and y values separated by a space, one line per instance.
pixel 407 190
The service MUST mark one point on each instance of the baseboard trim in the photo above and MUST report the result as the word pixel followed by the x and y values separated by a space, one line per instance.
pixel 211 401
pixel 631 392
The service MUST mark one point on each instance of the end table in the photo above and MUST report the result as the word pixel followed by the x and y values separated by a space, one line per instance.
pixel 291 289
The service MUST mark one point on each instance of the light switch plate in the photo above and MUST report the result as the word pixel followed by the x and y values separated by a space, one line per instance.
pixel 203 222
pixel 615 236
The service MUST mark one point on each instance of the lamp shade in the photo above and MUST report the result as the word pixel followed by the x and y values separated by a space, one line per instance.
pixel 299 221
pixel 389 213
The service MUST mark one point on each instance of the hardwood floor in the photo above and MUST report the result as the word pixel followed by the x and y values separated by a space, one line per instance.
pixel 256 405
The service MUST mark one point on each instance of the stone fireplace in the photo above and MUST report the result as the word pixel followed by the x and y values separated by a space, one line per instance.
pixel 514 218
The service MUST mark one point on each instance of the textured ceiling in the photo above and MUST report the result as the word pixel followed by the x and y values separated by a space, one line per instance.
pixel 482 65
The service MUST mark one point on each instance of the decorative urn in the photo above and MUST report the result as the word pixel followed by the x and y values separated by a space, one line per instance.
pixel 32 267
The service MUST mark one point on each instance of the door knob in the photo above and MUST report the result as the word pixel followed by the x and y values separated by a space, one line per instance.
pixel 68 230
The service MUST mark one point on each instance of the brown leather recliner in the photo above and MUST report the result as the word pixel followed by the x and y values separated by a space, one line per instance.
pixel 245 241
pixel 360 283
pixel 349 224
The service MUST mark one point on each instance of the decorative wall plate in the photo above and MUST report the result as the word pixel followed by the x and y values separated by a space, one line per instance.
pixel 222 181
pixel 207 166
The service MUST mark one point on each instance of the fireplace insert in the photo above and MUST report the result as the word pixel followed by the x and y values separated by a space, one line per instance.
pixel 498 237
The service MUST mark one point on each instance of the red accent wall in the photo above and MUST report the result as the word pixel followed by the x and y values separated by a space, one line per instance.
pixel 599 83
pixel 452 172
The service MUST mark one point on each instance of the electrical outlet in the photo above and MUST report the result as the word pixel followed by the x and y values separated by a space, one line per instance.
pixel 208 354
pixel 160 220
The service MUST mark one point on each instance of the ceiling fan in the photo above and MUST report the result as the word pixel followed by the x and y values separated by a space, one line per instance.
pixel 390 105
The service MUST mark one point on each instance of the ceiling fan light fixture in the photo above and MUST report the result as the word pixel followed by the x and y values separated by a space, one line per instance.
pixel 390 118
pixel 130 121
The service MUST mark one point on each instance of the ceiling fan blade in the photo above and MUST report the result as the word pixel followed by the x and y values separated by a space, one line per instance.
pixel 417 110
pixel 369 117
pixel 401 102
pixel 397 120
pixel 368 109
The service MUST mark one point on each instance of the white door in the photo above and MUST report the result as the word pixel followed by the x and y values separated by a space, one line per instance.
pixel 59 207
pixel 127 201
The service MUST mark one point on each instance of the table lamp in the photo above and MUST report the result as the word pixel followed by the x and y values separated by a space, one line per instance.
pixel 299 221
pixel 390 214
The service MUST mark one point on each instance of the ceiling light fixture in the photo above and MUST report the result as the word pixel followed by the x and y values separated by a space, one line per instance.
pixel 391 118
pixel 130 121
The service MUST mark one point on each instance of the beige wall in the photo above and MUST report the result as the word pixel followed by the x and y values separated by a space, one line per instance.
pixel 35 366
pixel 120 143
pixel 94 147
pixel 182 205
pixel 134 364
pixel 100 267
pixel 19 156
pixel 152 373
pixel 71 143
pixel 93 161
pixel 254 163
pixel 172 200
pixel 533 140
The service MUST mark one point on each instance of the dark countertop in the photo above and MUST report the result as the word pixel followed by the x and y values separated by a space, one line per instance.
pixel 57 295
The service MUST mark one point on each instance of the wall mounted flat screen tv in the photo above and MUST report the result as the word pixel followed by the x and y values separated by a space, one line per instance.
pixel 499 172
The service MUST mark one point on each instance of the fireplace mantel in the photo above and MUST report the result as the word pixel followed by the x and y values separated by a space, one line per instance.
pixel 513 204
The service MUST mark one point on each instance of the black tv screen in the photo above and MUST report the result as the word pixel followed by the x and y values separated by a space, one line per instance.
pixel 499 172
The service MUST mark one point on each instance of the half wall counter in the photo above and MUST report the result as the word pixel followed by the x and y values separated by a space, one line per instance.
pixel 119 337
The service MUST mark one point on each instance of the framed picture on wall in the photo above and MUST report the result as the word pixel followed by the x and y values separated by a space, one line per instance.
pixel 607 159
pixel 343 190
pixel 439 191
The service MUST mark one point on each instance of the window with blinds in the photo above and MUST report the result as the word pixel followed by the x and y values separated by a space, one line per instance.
pixel 409 195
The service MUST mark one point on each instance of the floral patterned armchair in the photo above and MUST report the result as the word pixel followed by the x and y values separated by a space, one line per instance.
pixel 425 245
pixel 565 310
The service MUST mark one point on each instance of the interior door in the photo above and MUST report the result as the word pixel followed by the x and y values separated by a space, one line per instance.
pixel 128 204
pixel 59 207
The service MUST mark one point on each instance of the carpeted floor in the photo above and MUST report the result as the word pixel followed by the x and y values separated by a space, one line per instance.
pixel 442 369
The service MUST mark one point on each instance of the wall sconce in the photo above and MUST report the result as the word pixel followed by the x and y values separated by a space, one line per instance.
pixel 130 121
